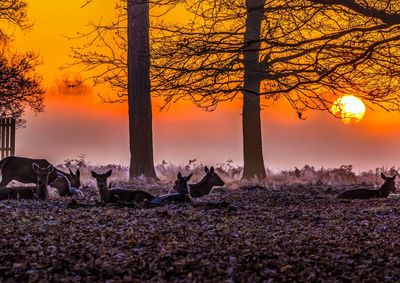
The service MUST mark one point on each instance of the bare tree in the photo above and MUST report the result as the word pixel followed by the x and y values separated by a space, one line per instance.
pixel 139 100
pixel 127 67
pixel 19 83
pixel 308 52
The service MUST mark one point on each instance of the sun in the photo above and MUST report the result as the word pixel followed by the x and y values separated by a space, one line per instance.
pixel 350 108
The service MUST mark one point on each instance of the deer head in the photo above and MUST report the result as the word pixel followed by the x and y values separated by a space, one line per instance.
pixel 75 178
pixel 42 180
pixel 101 180
pixel 213 177
pixel 181 183
pixel 390 183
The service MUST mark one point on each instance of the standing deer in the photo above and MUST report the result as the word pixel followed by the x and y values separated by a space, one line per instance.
pixel 21 170
pixel 117 195
pixel 32 192
pixel 383 192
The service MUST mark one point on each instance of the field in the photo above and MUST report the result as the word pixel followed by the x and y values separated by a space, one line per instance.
pixel 275 231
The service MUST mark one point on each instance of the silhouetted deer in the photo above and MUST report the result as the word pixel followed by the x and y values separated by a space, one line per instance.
pixel 32 192
pixel 206 184
pixel 117 195
pixel 182 195
pixel 63 186
pixel 21 170
pixel 383 192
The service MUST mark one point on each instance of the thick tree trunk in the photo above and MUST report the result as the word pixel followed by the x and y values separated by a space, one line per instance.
pixel 139 100
pixel 252 140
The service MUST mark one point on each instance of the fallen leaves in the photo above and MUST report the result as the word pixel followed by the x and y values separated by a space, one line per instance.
pixel 299 233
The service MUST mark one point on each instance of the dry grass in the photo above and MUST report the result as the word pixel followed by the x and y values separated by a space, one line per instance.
pixel 231 174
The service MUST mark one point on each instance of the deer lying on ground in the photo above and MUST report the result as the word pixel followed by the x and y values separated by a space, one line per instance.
pixel 118 195
pixel 21 169
pixel 64 187
pixel 383 192
pixel 32 192
pixel 182 195
pixel 206 184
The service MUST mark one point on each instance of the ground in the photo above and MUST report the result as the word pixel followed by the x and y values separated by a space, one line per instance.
pixel 280 233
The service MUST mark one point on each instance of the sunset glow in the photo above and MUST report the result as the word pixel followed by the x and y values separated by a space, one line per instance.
pixel 350 108
pixel 199 141
pixel 181 132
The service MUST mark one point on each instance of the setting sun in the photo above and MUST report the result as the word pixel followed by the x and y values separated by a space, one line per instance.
pixel 350 108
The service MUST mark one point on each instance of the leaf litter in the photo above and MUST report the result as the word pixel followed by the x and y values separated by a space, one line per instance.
pixel 249 234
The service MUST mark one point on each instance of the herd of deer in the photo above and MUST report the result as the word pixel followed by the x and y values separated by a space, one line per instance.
pixel 43 174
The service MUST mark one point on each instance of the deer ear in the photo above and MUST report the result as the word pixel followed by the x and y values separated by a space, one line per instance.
pixel 70 172
pixel 50 168
pixel 78 173
pixel 206 169
pixel 179 175
pixel 188 177
pixel 94 174
pixel 35 167
pixel 383 176
pixel 212 170
pixel 108 174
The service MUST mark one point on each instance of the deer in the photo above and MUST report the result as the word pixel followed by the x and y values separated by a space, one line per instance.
pixel 64 187
pixel 32 192
pixel 383 192
pixel 21 170
pixel 182 192
pixel 107 194
pixel 206 184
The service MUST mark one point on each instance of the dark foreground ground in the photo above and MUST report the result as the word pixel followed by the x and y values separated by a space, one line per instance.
pixel 292 233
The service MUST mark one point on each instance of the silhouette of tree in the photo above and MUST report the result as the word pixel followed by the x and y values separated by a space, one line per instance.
pixel 307 52
pixel 19 83
pixel 139 100
pixel 130 75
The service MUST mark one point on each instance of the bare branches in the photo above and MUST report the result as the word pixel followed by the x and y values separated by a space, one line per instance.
pixel 14 12
pixel 310 51
pixel 386 11
pixel 19 83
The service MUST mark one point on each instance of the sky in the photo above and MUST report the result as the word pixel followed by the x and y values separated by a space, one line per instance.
pixel 74 125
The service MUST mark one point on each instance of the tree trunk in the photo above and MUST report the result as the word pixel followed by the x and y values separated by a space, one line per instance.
pixel 139 100
pixel 252 140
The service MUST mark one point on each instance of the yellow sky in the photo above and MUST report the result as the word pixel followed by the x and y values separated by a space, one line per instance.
pixel 54 21
pixel 74 125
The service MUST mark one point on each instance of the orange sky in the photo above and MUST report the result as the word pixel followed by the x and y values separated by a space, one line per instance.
pixel 74 125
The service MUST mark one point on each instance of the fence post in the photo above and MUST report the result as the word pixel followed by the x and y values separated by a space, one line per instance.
pixel 7 137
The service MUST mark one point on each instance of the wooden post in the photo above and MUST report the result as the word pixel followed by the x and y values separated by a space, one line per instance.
pixel 13 122
pixel 8 126
pixel 7 137
pixel 3 138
